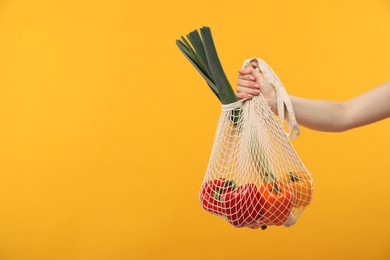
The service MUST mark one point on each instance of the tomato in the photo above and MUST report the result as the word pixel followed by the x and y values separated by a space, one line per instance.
pixel 211 192
pixel 277 201
pixel 301 187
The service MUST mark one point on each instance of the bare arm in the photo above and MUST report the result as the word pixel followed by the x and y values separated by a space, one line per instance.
pixel 369 107
pixel 324 115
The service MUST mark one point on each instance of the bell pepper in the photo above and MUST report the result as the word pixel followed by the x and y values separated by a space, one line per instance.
pixel 276 200
pixel 211 192
pixel 231 203
pixel 301 187
pixel 242 206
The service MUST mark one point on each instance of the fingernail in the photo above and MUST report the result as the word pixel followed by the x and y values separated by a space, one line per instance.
pixel 251 78
pixel 256 86
pixel 257 91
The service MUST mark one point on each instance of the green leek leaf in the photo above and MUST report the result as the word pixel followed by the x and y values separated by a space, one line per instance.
pixel 225 90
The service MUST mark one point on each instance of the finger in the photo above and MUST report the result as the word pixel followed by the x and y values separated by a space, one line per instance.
pixel 265 86
pixel 246 70
pixel 247 77
pixel 248 84
pixel 245 96
pixel 252 91
pixel 258 75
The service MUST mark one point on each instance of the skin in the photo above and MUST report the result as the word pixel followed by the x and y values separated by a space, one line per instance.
pixel 322 115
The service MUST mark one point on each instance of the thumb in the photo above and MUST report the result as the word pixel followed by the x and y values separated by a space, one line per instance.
pixel 263 82
pixel 258 75
pixel 247 70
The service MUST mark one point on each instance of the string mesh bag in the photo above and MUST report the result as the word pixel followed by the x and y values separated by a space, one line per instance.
pixel 254 177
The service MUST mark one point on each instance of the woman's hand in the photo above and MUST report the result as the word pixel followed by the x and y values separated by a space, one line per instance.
pixel 247 87
pixel 251 82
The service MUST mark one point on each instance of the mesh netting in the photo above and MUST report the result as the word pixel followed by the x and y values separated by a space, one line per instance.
pixel 254 177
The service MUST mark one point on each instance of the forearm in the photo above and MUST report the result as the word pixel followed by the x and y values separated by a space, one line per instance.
pixel 320 115
pixel 369 107
pixel 332 116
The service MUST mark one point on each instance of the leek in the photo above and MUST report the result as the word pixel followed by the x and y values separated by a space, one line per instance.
pixel 200 50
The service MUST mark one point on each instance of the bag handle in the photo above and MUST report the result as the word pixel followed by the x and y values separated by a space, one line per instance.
pixel 282 98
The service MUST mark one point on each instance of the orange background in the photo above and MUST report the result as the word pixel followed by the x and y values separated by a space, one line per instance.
pixel 106 129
